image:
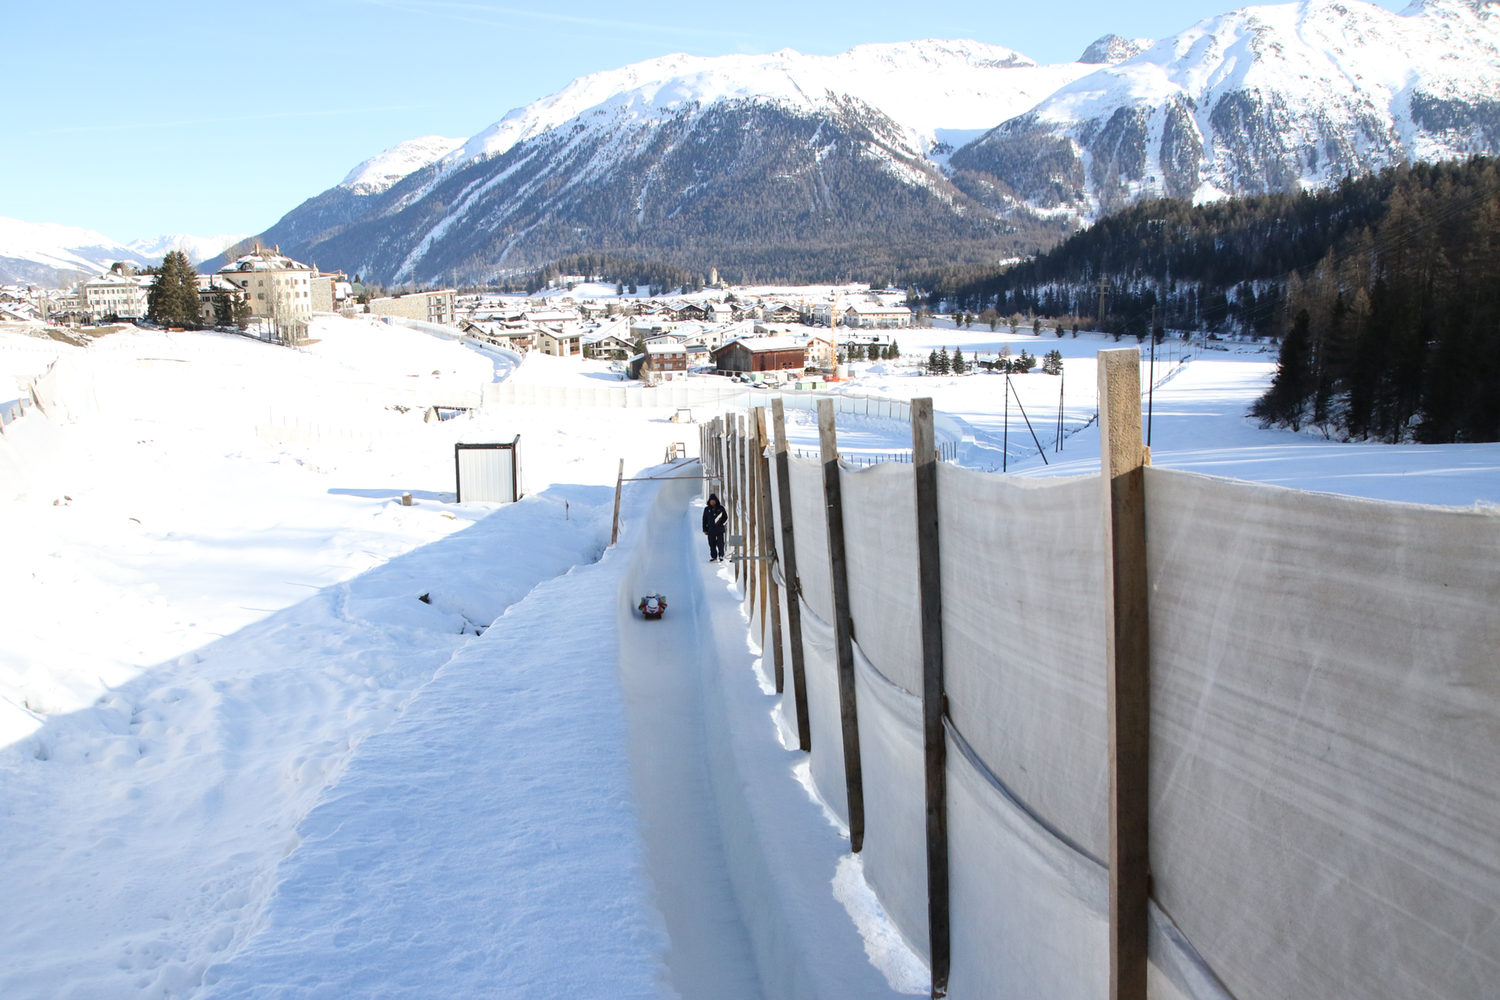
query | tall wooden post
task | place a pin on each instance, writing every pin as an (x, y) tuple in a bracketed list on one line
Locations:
[(752, 515), (934, 697), (762, 529), (789, 574), (741, 495), (614, 532), (1128, 667), (768, 547), (843, 629), (737, 517)]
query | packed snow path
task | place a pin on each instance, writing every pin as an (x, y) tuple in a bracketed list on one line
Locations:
[(660, 664), (580, 803)]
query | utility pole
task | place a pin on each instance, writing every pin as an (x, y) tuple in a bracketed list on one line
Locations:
[(1103, 291)]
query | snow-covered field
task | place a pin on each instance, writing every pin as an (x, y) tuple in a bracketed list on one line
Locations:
[(241, 755)]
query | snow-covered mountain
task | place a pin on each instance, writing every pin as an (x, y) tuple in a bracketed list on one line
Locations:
[(787, 165), (382, 170), (47, 254), (754, 150), (1260, 99), (198, 248)]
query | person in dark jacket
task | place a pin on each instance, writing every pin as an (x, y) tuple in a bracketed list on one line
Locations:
[(715, 522)]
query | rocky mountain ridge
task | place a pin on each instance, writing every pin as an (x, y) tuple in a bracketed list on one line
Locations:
[(893, 156)]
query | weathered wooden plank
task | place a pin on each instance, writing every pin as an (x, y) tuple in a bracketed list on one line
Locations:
[(768, 548), (1128, 668), (789, 574), (614, 531), (838, 570), (934, 696)]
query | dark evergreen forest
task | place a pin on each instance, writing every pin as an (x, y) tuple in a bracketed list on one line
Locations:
[(1384, 293)]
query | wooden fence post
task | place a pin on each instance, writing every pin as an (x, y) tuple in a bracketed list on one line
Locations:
[(762, 530), (768, 547), (838, 571), (934, 697), (1128, 668), (789, 574), (614, 532)]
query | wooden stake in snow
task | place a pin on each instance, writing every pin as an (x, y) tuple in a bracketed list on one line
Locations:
[(934, 698), (843, 628), (1128, 667), (789, 574), (614, 532)]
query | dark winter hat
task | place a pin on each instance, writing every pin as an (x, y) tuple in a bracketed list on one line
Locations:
[(713, 498)]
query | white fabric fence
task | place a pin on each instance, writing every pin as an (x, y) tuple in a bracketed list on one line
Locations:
[(1325, 755)]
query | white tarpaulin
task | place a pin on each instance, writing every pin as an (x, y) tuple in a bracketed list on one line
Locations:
[(1326, 738), (1325, 732)]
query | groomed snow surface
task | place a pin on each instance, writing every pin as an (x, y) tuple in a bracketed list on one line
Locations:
[(266, 732)]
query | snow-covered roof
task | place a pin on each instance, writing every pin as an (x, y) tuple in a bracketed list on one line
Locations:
[(758, 344), (672, 347), (261, 259), (872, 309)]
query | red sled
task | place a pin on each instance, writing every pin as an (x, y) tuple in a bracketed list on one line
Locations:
[(652, 605)]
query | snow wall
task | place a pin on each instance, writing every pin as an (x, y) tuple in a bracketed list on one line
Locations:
[(1325, 756)]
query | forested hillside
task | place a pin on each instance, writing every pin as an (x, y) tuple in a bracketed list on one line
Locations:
[(1385, 292)]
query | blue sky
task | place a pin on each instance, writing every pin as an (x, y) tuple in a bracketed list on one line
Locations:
[(170, 117)]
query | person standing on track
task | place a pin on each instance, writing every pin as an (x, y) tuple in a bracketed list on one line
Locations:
[(715, 523)]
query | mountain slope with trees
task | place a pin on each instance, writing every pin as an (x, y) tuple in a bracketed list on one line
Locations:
[(1384, 291)]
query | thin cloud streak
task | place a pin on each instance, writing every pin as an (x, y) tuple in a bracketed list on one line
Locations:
[(133, 126)]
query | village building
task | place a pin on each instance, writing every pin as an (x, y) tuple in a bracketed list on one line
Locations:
[(761, 354), (562, 343), (332, 293), (518, 338), (210, 288), (436, 306), (872, 315), (821, 352), (665, 362), (118, 293), (609, 346), (277, 288)]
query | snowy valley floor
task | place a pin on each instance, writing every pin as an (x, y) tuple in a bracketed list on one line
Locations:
[(240, 756)]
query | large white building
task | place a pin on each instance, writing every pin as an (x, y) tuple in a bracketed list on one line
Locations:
[(118, 293), (278, 289)]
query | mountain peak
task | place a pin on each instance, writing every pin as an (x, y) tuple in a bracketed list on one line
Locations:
[(382, 170), (1113, 49)]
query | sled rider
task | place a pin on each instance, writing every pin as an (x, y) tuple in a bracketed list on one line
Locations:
[(715, 522)]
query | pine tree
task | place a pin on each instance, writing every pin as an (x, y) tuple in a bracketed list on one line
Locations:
[(932, 363), (1285, 401), (944, 366), (960, 366), (1053, 363), (173, 298), (894, 351)]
